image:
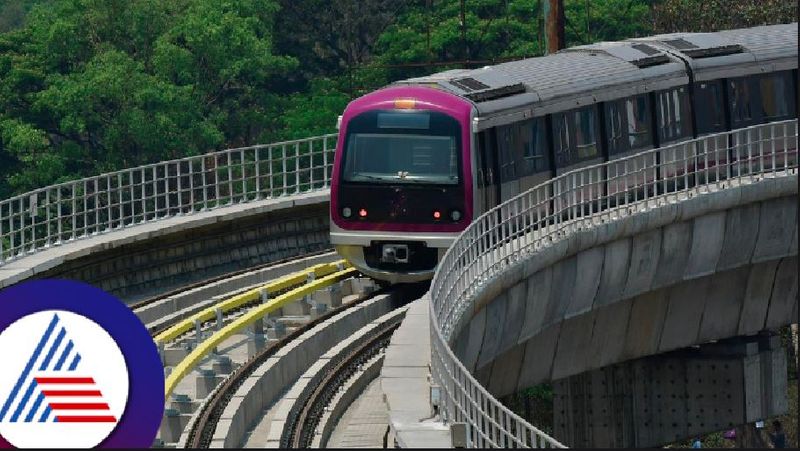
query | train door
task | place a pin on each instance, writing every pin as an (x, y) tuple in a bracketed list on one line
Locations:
[(487, 143)]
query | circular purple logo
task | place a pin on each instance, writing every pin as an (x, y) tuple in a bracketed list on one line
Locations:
[(79, 369)]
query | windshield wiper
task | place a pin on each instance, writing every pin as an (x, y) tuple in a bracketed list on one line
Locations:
[(371, 177)]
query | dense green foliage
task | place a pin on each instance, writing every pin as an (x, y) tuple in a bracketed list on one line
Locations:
[(94, 85)]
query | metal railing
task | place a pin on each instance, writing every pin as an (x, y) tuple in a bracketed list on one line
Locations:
[(69, 211), (581, 199)]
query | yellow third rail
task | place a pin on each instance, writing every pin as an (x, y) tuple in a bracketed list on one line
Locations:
[(324, 275)]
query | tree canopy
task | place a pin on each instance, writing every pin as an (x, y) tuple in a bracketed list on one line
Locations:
[(95, 85)]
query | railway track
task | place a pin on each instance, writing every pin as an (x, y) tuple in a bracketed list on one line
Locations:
[(154, 299), (200, 327), (221, 308), (202, 430), (302, 430)]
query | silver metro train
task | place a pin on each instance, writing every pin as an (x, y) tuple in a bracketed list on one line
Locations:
[(417, 161)]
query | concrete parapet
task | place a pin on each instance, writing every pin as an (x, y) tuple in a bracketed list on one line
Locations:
[(294, 399), (660, 280)]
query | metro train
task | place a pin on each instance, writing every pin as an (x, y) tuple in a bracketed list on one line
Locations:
[(418, 160)]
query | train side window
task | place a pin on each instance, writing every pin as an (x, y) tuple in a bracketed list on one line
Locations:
[(585, 133), (673, 114), (742, 98), (534, 140), (561, 139), (637, 111), (709, 108), (776, 96), (615, 123), (505, 145)]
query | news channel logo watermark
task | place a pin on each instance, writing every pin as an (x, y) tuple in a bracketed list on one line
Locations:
[(79, 369)]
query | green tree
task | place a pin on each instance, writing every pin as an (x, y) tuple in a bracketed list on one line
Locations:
[(13, 12), (222, 49), (330, 37), (492, 31), (712, 15), (588, 21), (94, 85), (315, 112)]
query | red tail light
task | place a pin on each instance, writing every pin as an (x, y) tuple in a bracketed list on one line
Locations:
[(437, 214), (362, 213)]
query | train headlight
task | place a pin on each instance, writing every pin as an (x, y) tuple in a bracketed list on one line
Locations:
[(455, 215), (346, 212)]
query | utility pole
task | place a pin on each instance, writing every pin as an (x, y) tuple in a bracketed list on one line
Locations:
[(554, 25)]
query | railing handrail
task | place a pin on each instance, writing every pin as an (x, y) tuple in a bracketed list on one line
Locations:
[(161, 163), (98, 204), (553, 210)]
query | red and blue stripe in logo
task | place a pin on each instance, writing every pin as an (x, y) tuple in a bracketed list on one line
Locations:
[(55, 390)]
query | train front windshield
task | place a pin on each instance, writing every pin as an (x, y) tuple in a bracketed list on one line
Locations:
[(402, 147)]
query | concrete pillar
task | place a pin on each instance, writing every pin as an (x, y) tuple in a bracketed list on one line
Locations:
[(257, 327), (255, 344), (174, 354), (172, 425), (222, 365), (458, 435), (318, 310), (363, 285), (278, 331), (297, 308), (182, 403), (205, 383), (346, 286), (670, 397), (330, 296)]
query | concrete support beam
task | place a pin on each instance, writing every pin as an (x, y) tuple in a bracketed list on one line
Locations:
[(661, 399)]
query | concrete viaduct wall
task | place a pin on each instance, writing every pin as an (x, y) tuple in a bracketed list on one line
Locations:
[(149, 259), (710, 267)]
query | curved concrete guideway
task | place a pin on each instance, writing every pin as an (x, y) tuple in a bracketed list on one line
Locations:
[(142, 260), (708, 267)]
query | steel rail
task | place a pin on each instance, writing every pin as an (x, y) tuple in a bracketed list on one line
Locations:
[(301, 431)]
